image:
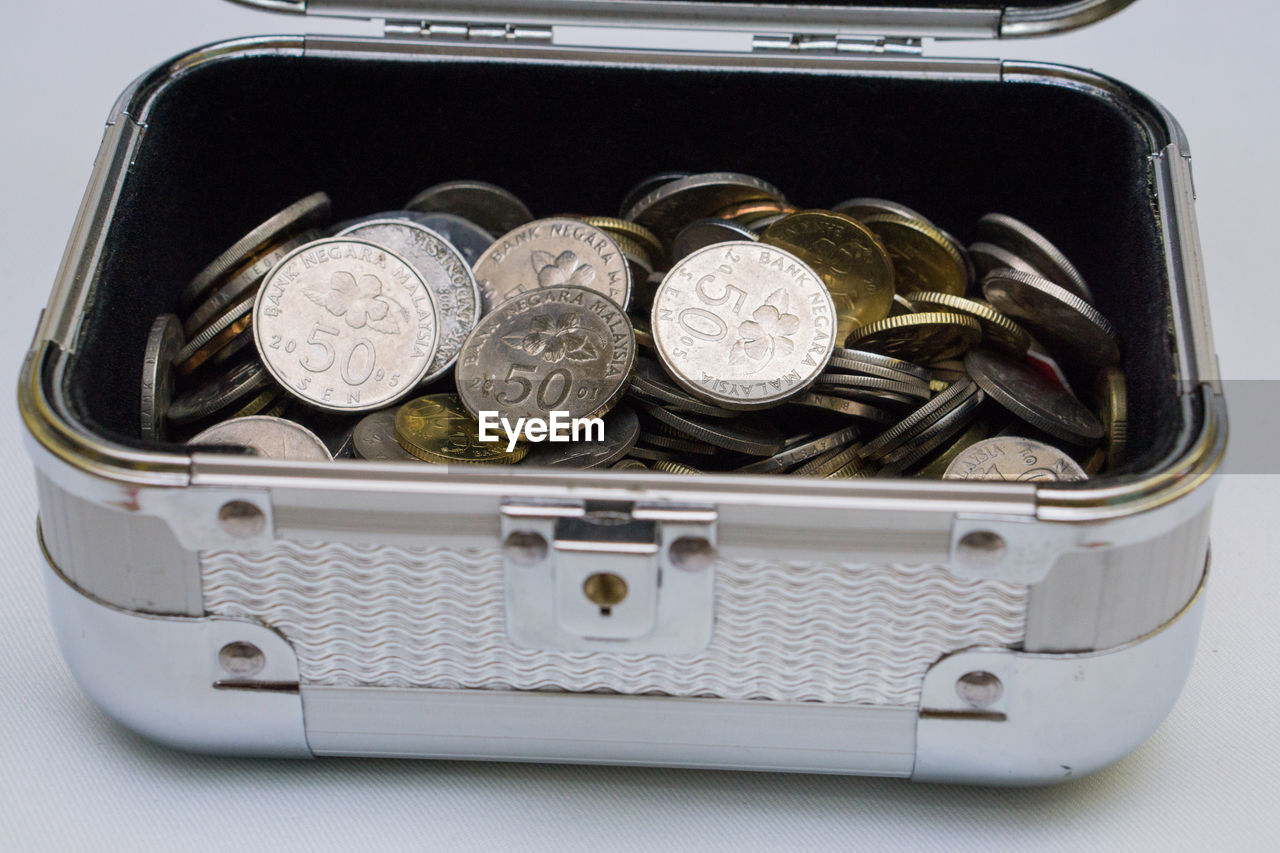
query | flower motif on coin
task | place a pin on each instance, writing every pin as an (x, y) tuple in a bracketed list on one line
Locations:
[(360, 302), (563, 269), (768, 331), (554, 340)]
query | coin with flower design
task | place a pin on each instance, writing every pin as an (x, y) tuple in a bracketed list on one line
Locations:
[(345, 325), (743, 325), (567, 350), (557, 252)]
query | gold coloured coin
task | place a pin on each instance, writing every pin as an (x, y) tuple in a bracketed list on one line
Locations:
[(667, 467), (438, 428), (626, 228), (849, 259), (997, 329), (1112, 398), (924, 337), (923, 258)]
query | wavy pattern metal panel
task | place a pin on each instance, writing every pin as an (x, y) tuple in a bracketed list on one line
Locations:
[(400, 617)]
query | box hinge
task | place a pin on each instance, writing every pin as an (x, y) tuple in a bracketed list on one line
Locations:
[(810, 44), (463, 32), (609, 576)]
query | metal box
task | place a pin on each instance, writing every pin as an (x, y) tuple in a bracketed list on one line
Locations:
[(938, 630)]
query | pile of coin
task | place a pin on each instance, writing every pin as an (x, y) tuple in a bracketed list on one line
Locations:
[(712, 325)]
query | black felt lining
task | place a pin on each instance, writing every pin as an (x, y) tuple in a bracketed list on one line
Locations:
[(230, 143)]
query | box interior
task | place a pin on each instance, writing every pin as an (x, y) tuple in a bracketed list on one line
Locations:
[(230, 142)]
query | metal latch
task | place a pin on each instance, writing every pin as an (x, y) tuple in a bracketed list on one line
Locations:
[(809, 43), (609, 576), (463, 32)]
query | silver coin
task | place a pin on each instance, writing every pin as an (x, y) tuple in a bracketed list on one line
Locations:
[(346, 326), (1033, 398), (247, 279), (702, 233), (844, 406), (828, 463), (988, 257), (268, 437), (929, 436), (1061, 320), (558, 252), (761, 225), (757, 438), (441, 266), (468, 238), (164, 342), (859, 208), (802, 452), (304, 213), (621, 430), (487, 205), (856, 359), (562, 349), (647, 186), (374, 439), (743, 325), (1027, 243), (826, 382), (651, 384), (670, 207), (199, 403), (1014, 460), (901, 432)]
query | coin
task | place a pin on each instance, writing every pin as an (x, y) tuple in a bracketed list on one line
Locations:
[(848, 258), (1014, 460), (898, 434), (925, 336), (647, 186), (164, 342), (978, 430), (701, 233), (670, 207), (346, 326), (997, 330), (487, 205), (833, 382), (861, 208), (1112, 401), (752, 213), (464, 235), (828, 463), (843, 406), (558, 252), (270, 438), (677, 443), (246, 279), (626, 228), (374, 438), (444, 271), (258, 403), (302, 214), (438, 428), (753, 437), (862, 361), (1033, 398), (1028, 244), (219, 393), (676, 468), (629, 465), (743, 325), (563, 349), (216, 335), (621, 429), (930, 435), (651, 384), (790, 456), (1070, 326), (923, 258), (988, 257)]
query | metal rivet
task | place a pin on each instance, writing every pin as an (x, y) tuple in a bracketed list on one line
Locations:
[(981, 548), (525, 547), (242, 660), (241, 519), (979, 689), (691, 553), (604, 589)]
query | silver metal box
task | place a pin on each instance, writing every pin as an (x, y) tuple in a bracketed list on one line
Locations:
[(937, 630)]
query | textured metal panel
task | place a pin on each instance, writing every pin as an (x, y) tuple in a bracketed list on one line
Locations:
[(418, 617)]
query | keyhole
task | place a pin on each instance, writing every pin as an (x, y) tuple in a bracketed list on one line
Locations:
[(605, 589)]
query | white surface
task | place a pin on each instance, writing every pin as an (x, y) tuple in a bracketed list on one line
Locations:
[(70, 779)]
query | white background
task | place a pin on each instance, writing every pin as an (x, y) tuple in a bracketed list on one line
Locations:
[(70, 779)]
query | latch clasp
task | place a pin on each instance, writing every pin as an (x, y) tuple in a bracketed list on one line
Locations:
[(609, 576)]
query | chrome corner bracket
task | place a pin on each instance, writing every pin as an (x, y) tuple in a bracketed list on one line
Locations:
[(1004, 717), (211, 684), (599, 576)]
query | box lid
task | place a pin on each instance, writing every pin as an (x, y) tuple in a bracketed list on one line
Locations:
[(971, 19)]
